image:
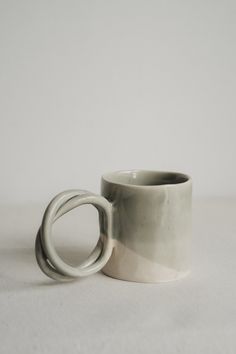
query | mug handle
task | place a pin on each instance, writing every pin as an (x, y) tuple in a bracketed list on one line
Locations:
[(47, 257)]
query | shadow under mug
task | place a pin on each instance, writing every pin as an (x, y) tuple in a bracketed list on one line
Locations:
[(145, 228)]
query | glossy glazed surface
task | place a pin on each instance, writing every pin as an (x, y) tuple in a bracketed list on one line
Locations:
[(47, 256), (151, 225)]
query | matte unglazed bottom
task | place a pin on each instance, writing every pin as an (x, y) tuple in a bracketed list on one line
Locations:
[(125, 264)]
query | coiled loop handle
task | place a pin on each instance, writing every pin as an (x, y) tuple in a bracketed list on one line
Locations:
[(47, 257)]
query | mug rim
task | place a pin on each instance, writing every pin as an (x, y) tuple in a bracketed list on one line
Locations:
[(109, 178)]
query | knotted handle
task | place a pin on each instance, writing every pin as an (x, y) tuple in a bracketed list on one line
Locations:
[(47, 257)]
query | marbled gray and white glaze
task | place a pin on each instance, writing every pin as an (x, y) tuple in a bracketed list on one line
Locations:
[(151, 225)]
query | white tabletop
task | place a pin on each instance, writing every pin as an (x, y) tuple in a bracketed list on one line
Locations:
[(99, 314)]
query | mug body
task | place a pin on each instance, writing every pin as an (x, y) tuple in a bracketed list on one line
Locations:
[(151, 224)]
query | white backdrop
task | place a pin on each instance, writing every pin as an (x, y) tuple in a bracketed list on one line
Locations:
[(92, 86)]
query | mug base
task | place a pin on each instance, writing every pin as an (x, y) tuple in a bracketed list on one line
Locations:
[(150, 280)]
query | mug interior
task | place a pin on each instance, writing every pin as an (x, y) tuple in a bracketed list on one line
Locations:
[(145, 178)]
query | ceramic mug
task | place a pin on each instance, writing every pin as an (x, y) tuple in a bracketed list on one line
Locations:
[(145, 228)]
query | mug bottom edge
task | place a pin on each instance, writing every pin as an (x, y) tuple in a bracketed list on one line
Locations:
[(148, 281)]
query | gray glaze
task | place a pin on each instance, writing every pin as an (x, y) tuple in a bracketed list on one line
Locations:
[(151, 224), (145, 228)]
